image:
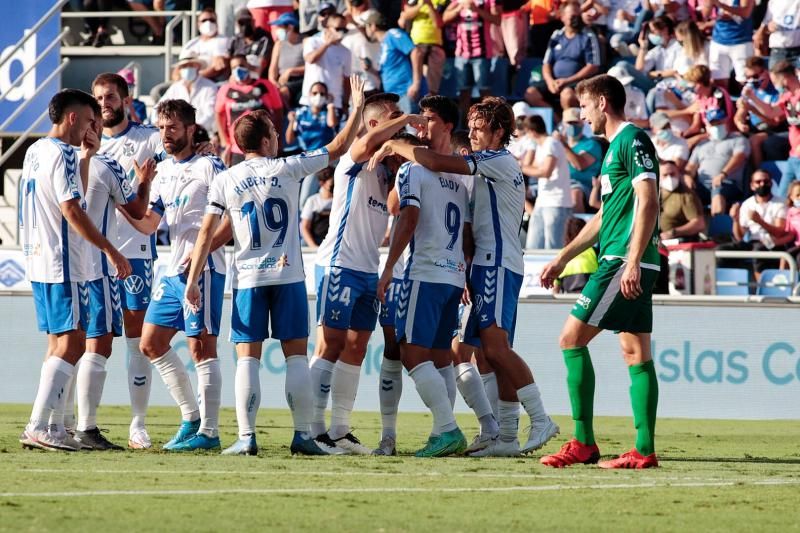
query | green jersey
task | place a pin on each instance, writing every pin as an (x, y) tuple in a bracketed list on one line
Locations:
[(631, 158)]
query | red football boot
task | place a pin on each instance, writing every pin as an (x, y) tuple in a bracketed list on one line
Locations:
[(573, 452), (631, 459)]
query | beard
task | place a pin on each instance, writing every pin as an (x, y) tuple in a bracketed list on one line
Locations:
[(177, 145), (599, 125), (117, 117)]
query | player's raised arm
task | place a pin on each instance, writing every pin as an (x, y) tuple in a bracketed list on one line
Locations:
[(341, 143), (426, 157), (364, 147), (137, 209)]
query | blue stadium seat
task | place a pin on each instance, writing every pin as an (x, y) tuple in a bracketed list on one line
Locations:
[(733, 282), (448, 85), (499, 76), (776, 169), (530, 70), (775, 282), (720, 225)]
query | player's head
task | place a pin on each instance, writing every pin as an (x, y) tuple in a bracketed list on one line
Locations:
[(784, 75), (442, 115), (491, 124), (74, 112), (459, 142), (600, 97), (379, 108), (255, 134), (111, 92), (393, 162), (176, 122)]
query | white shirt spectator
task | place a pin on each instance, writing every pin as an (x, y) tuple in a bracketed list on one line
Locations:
[(769, 211), (207, 49), (332, 68), (786, 14), (360, 47), (202, 95), (683, 62), (555, 190), (635, 103), (663, 58), (315, 204), (519, 146), (673, 150), (629, 6)]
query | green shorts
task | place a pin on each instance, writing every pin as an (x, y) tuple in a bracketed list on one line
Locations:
[(602, 305)]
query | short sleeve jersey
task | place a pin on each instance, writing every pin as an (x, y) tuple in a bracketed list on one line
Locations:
[(436, 253), (180, 194), (262, 195), (54, 252), (499, 192), (631, 158), (108, 188), (359, 217), (395, 62), (136, 143)]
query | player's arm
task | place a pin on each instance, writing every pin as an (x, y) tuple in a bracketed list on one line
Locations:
[(367, 145), (644, 224), (202, 247), (403, 232), (137, 208), (585, 239), (77, 218), (426, 157), (341, 143), (393, 202)]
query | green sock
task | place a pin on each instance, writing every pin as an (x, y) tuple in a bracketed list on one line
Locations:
[(580, 383), (644, 400)]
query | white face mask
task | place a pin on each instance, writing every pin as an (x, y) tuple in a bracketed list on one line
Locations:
[(208, 28), (317, 100), (188, 73), (718, 132), (282, 34), (669, 183)]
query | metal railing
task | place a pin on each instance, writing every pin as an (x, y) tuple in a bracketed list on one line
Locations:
[(726, 254), (57, 7)]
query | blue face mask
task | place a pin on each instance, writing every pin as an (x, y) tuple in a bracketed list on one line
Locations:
[(656, 40), (241, 73), (664, 135), (574, 130), (796, 203)]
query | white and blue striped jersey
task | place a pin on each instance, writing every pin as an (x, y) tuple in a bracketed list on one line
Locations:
[(359, 217), (499, 192), (54, 252), (136, 143), (262, 198), (436, 253), (180, 193), (107, 189)]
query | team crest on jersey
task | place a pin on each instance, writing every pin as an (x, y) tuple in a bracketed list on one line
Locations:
[(283, 261), (128, 149)]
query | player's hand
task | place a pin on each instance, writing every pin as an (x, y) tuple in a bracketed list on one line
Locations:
[(357, 91), (383, 285), (550, 273), (466, 296), (418, 122), (91, 143), (192, 297), (186, 264), (384, 151), (631, 282), (146, 172), (205, 148), (122, 265)]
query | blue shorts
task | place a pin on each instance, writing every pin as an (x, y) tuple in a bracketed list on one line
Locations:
[(474, 72), (105, 310), (61, 307), (495, 293), (167, 309), (461, 327), (346, 299), (136, 287), (427, 313), (285, 307), (389, 309)]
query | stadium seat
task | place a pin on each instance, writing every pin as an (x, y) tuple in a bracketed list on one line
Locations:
[(733, 282), (774, 282), (448, 85), (499, 75), (720, 225), (530, 71), (776, 169)]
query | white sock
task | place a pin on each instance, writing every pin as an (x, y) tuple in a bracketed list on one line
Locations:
[(247, 389), (344, 386), (298, 392), (391, 377), (448, 373), (531, 401), (65, 415), (508, 420), (89, 382), (432, 390), (140, 380), (321, 371), (471, 388), (492, 393), (50, 396), (177, 381), (209, 393)]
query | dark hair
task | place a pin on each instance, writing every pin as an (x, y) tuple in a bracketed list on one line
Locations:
[(573, 227), (460, 139), (496, 112), (323, 175), (408, 138), (663, 23), (535, 123), (520, 123), (606, 86), (377, 102), (208, 9), (251, 128), (63, 100), (109, 78), (381, 23), (756, 62), (783, 67), (180, 109), (444, 107), (322, 83), (200, 135), (564, 5)]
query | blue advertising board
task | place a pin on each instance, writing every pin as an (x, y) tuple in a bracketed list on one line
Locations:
[(19, 18)]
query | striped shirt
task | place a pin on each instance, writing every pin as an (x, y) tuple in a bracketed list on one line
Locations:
[(472, 32)]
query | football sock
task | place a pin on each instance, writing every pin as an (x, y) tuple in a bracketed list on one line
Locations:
[(344, 385), (298, 392), (431, 388), (209, 390), (644, 400), (492, 394), (89, 382), (177, 381), (531, 400), (580, 384), (67, 413), (508, 420), (247, 389), (321, 371), (471, 388), (449, 376), (140, 380), (54, 376), (389, 394)]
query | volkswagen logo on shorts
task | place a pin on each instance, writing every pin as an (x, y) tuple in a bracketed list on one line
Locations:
[(134, 284)]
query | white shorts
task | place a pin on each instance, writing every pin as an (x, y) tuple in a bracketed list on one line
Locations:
[(724, 57)]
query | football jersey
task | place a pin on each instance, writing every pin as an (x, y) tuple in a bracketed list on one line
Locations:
[(499, 203), (436, 253), (54, 251), (107, 189), (359, 217), (137, 143), (262, 196), (631, 158), (180, 193)]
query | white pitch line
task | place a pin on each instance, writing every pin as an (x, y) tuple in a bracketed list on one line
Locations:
[(375, 490)]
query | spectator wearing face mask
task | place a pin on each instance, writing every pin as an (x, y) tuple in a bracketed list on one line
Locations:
[(657, 63), (211, 47), (669, 146), (195, 89), (681, 211), (327, 61), (265, 12), (313, 126), (747, 119), (250, 40), (585, 157), (242, 93), (314, 14), (287, 66), (709, 101)]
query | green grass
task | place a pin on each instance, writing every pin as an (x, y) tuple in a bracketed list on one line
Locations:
[(715, 476)]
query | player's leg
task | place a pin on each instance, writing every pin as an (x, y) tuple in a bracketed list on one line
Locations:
[(443, 361), (488, 377), (391, 374), (329, 344), (470, 385)]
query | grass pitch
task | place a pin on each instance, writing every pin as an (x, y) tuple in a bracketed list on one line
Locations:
[(714, 476)]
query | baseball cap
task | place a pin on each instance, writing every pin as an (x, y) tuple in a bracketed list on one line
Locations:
[(573, 114), (659, 120), (190, 57), (286, 19), (370, 16), (621, 72)]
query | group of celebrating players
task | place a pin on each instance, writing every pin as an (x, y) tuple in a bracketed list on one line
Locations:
[(448, 292)]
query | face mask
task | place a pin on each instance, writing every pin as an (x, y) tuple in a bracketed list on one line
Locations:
[(664, 135), (796, 203), (241, 73), (575, 22), (188, 73), (718, 132), (655, 40), (208, 28), (763, 190), (669, 183), (282, 34), (317, 100), (574, 130)]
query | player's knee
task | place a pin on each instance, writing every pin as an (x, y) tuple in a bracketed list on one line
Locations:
[(151, 348), (567, 339)]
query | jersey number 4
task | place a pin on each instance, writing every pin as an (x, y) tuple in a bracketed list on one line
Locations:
[(276, 220)]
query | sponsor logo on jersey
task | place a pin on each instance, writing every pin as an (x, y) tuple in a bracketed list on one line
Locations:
[(133, 284), (584, 301)]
